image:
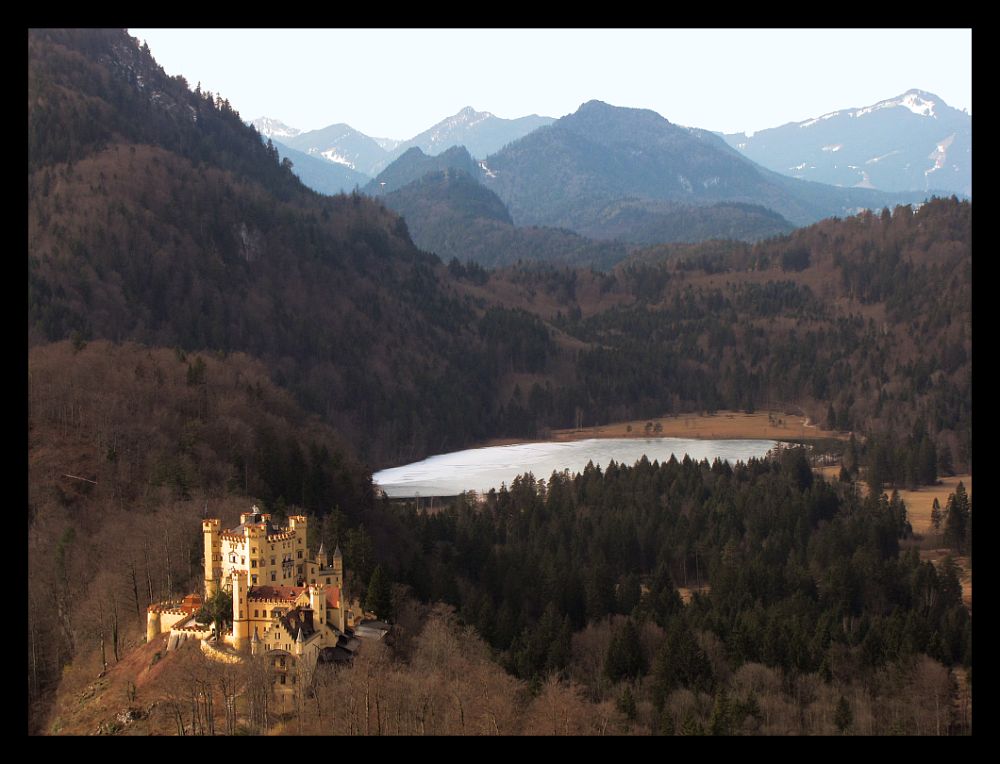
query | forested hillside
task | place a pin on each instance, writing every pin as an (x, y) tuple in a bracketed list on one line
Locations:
[(128, 448), (156, 215), (206, 333)]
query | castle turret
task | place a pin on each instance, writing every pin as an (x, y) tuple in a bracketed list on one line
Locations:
[(241, 623), (152, 624), (213, 555), (299, 524), (338, 568), (317, 601)]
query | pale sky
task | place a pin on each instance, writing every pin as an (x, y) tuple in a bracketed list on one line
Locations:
[(395, 83)]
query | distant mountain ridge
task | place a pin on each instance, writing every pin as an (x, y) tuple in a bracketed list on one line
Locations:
[(569, 173), (451, 213), (480, 132), (340, 144), (274, 128), (912, 142)]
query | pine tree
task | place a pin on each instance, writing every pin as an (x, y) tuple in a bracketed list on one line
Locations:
[(626, 703), (667, 725), (843, 717), (691, 726), (957, 518), (937, 516), (379, 597), (720, 723), (625, 659)]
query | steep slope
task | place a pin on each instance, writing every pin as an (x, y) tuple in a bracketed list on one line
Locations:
[(158, 216), (568, 173), (914, 141)]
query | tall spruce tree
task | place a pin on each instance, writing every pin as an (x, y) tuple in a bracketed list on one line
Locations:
[(379, 597)]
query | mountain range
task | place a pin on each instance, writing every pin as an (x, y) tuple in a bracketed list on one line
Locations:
[(613, 173), (479, 131), (576, 172), (604, 173), (914, 141)]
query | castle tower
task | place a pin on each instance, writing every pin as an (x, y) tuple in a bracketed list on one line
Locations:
[(338, 568), (213, 556), (241, 623), (317, 601), (152, 624), (321, 555), (299, 643), (299, 524)]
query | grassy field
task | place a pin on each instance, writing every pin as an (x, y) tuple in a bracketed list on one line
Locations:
[(919, 502), (723, 424)]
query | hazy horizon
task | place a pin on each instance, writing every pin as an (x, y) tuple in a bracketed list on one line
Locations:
[(396, 83)]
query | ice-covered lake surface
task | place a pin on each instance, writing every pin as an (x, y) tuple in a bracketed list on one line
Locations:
[(480, 469)]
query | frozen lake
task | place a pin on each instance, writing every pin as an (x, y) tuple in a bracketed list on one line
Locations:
[(480, 469)]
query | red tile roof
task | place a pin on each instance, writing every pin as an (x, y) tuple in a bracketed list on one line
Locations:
[(284, 593), (332, 596)]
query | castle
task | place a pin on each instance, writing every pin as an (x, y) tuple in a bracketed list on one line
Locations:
[(286, 606)]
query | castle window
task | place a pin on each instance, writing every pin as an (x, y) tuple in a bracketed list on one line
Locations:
[(272, 575), (282, 678), (300, 554), (254, 577), (253, 563)]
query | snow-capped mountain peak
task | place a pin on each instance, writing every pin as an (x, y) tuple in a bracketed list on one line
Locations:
[(467, 117), (917, 101), (273, 128), (911, 142)]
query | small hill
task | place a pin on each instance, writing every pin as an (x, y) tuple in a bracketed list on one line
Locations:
[(451, 214), (414, 164)]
